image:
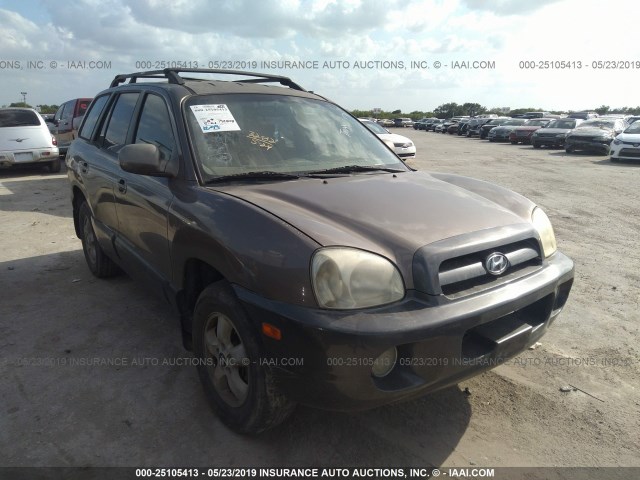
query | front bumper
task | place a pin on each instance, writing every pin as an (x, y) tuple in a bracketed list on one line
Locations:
[(550, 141), (626, 151), (576, 143), (324, 357)]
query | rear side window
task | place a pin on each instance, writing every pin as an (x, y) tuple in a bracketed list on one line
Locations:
[(82, 107), (92, 117), (155, 126), (18, 118), (67, 115), (116, 133)]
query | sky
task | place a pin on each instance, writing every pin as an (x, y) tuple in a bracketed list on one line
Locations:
[(363, 54)]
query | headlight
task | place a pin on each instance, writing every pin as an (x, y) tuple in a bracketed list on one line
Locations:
[(543, 226), (562, 135), (346, 278), (617, 142)]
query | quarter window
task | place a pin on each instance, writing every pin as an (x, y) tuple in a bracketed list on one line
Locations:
[(92, 117)]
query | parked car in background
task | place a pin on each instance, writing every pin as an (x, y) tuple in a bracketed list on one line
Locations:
[(67, 120), (523, 134), (275, 238), (494, 122), (463, 126), (402, 122), (473, 130), (385, 122), (501, 132), (529, 115), (626, 146), (434, 125), (584, 115), (420, 124), (594, 135), (25, 139), (402, 146), (554, 134)]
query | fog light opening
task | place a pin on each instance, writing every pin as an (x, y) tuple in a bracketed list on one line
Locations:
[(383, 365)]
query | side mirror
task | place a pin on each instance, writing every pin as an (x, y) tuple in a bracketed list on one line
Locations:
[(142, 159)]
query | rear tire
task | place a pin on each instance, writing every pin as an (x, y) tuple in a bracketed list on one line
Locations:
[(536, 145), (55, 165), (241, 390), (568, 149), (99, 264)]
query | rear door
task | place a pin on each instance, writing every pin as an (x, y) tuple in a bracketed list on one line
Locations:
[(65, 125), (95, 161), (143, 201)]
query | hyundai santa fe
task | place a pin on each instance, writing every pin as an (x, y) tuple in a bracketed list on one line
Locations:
[(307, 263)]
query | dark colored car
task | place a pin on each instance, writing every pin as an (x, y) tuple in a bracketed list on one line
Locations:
[(463, 126), (494, 122), (554, 134), (262, 214), (433, 125), (473, 130), (453, 128), (420, 124), (402, 122), (594, 135), (501, 132), (67, 120), (583, 115), (523, 134)]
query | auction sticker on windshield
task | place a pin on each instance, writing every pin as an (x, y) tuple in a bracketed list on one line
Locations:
[(215, 118)]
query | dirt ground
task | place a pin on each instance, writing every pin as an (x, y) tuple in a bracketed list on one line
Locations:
[(60, 407)]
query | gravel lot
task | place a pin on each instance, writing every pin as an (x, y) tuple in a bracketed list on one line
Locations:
[(61, 409)]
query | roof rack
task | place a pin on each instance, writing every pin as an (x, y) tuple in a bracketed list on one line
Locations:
[(172, 75)]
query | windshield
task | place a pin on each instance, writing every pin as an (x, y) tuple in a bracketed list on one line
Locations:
[(515, 121), (537, 123), (497, 121), (633, 128), (374, 127), (236, 134), (597, 124), (562, 124), (18, 118)]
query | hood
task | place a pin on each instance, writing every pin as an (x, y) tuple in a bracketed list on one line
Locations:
[(592, 132), (393, 216), (395, 138), (629, 137), (504, 128), (24, 138)]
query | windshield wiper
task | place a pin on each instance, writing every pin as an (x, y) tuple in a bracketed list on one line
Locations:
[(263, 175), (356, 169)]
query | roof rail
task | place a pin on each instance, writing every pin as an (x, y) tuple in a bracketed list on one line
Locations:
[(172, 75)]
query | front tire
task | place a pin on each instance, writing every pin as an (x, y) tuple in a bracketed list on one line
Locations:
[(568, 149), (536, 145), (99, 264), (225, 342)]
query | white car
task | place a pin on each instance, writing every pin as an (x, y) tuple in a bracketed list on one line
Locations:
[(26, 139), (626, 146), (402, 146)]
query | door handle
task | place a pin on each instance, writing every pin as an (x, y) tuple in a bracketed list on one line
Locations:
[(122, 186)]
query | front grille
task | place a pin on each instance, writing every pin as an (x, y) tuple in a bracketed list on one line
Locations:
[(630, 152), (582, 139), (467, 274), (546, 135), (523, 134)]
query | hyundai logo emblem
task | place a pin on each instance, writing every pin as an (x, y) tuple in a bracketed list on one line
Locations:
[(496, 263)]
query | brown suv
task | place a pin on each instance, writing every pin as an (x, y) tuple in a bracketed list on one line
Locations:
[(261, 213), (67, 120)]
